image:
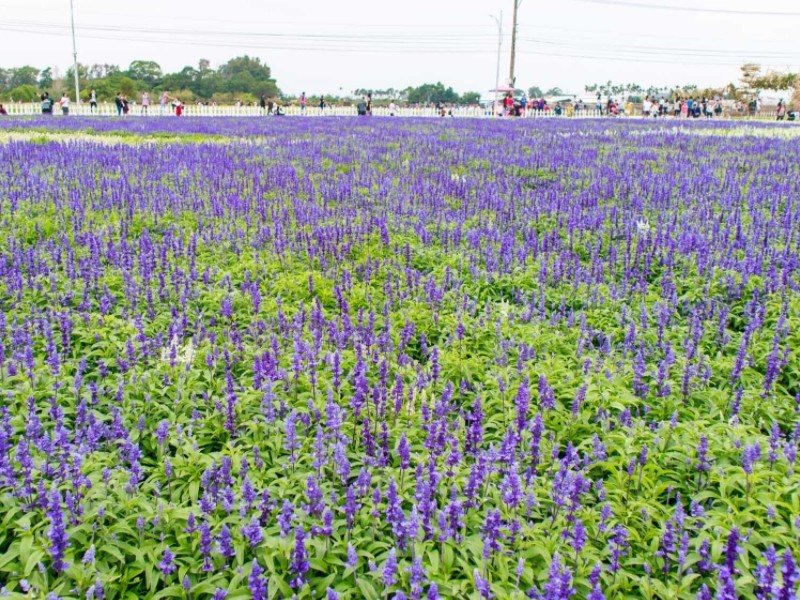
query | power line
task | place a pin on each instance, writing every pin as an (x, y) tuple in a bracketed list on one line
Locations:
[(718, 11), (451, 42), (408, 44), (533, 47)]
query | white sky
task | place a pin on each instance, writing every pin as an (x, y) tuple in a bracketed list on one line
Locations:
[(324, 46)]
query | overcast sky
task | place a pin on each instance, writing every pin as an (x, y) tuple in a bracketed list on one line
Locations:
[(324, 46)]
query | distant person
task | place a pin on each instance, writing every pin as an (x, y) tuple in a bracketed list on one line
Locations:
[(270, 106), (780, 112), (303, 102), (178, 107), (509, 104), (262, 102), (145, 103), (3, 110), (322, 103), (361, 108), (92, 101), (118, 103), (162, 109), (47, 104), (646, 107), (64, 104), (392, 109), (125, 105), (369, 103)]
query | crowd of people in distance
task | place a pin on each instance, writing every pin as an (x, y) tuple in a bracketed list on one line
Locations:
[(651, 107), (674, 106), (121, 102), (682, 107)]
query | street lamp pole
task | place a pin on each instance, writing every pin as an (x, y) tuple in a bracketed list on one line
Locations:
[(499, 48), (511, 76), (75, 55)]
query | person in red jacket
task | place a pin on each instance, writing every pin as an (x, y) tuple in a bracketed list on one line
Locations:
[(509, 103)]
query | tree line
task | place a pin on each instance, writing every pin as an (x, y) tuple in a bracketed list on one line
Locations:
[(427, 93), (242, 78)]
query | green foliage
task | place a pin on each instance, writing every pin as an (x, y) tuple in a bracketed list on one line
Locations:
[(241, 78), (430, 93), (470, 98), (218, 238), (535, 92), (146, 71), (23, 93)]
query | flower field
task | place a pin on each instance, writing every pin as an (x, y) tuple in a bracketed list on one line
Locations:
[(340, 358)]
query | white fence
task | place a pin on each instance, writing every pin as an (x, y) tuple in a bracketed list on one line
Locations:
[(192, 110)]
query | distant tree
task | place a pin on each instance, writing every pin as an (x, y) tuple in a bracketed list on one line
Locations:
[(26, 75), (83, 73), (97, 71), (775, 81), (46, 78), (430, 93), (751, 72), (147, 71), (248, 75), (108, 87), (470, 98), (535, 92), (23, 93), (242, 78), (182, 80), (555, 91)]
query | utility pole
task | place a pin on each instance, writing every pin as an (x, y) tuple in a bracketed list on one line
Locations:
[(75, 56), (511, 78), (499, 49)]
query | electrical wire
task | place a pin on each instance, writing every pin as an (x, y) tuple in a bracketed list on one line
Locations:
[(695, 9), (536, 47), (451, 43)]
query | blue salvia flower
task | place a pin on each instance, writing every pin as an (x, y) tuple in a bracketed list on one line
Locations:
[(252, 533), (482, 585), (559, 582), (703, 464), (751, 454), (352, 557), (389, 571), (167, 564), (257, 583), (57, 532), (766, 575), (299, 562), (726, 589), (417, 578), (732, 551), (225, 543), (704, 593), (791, 576)]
